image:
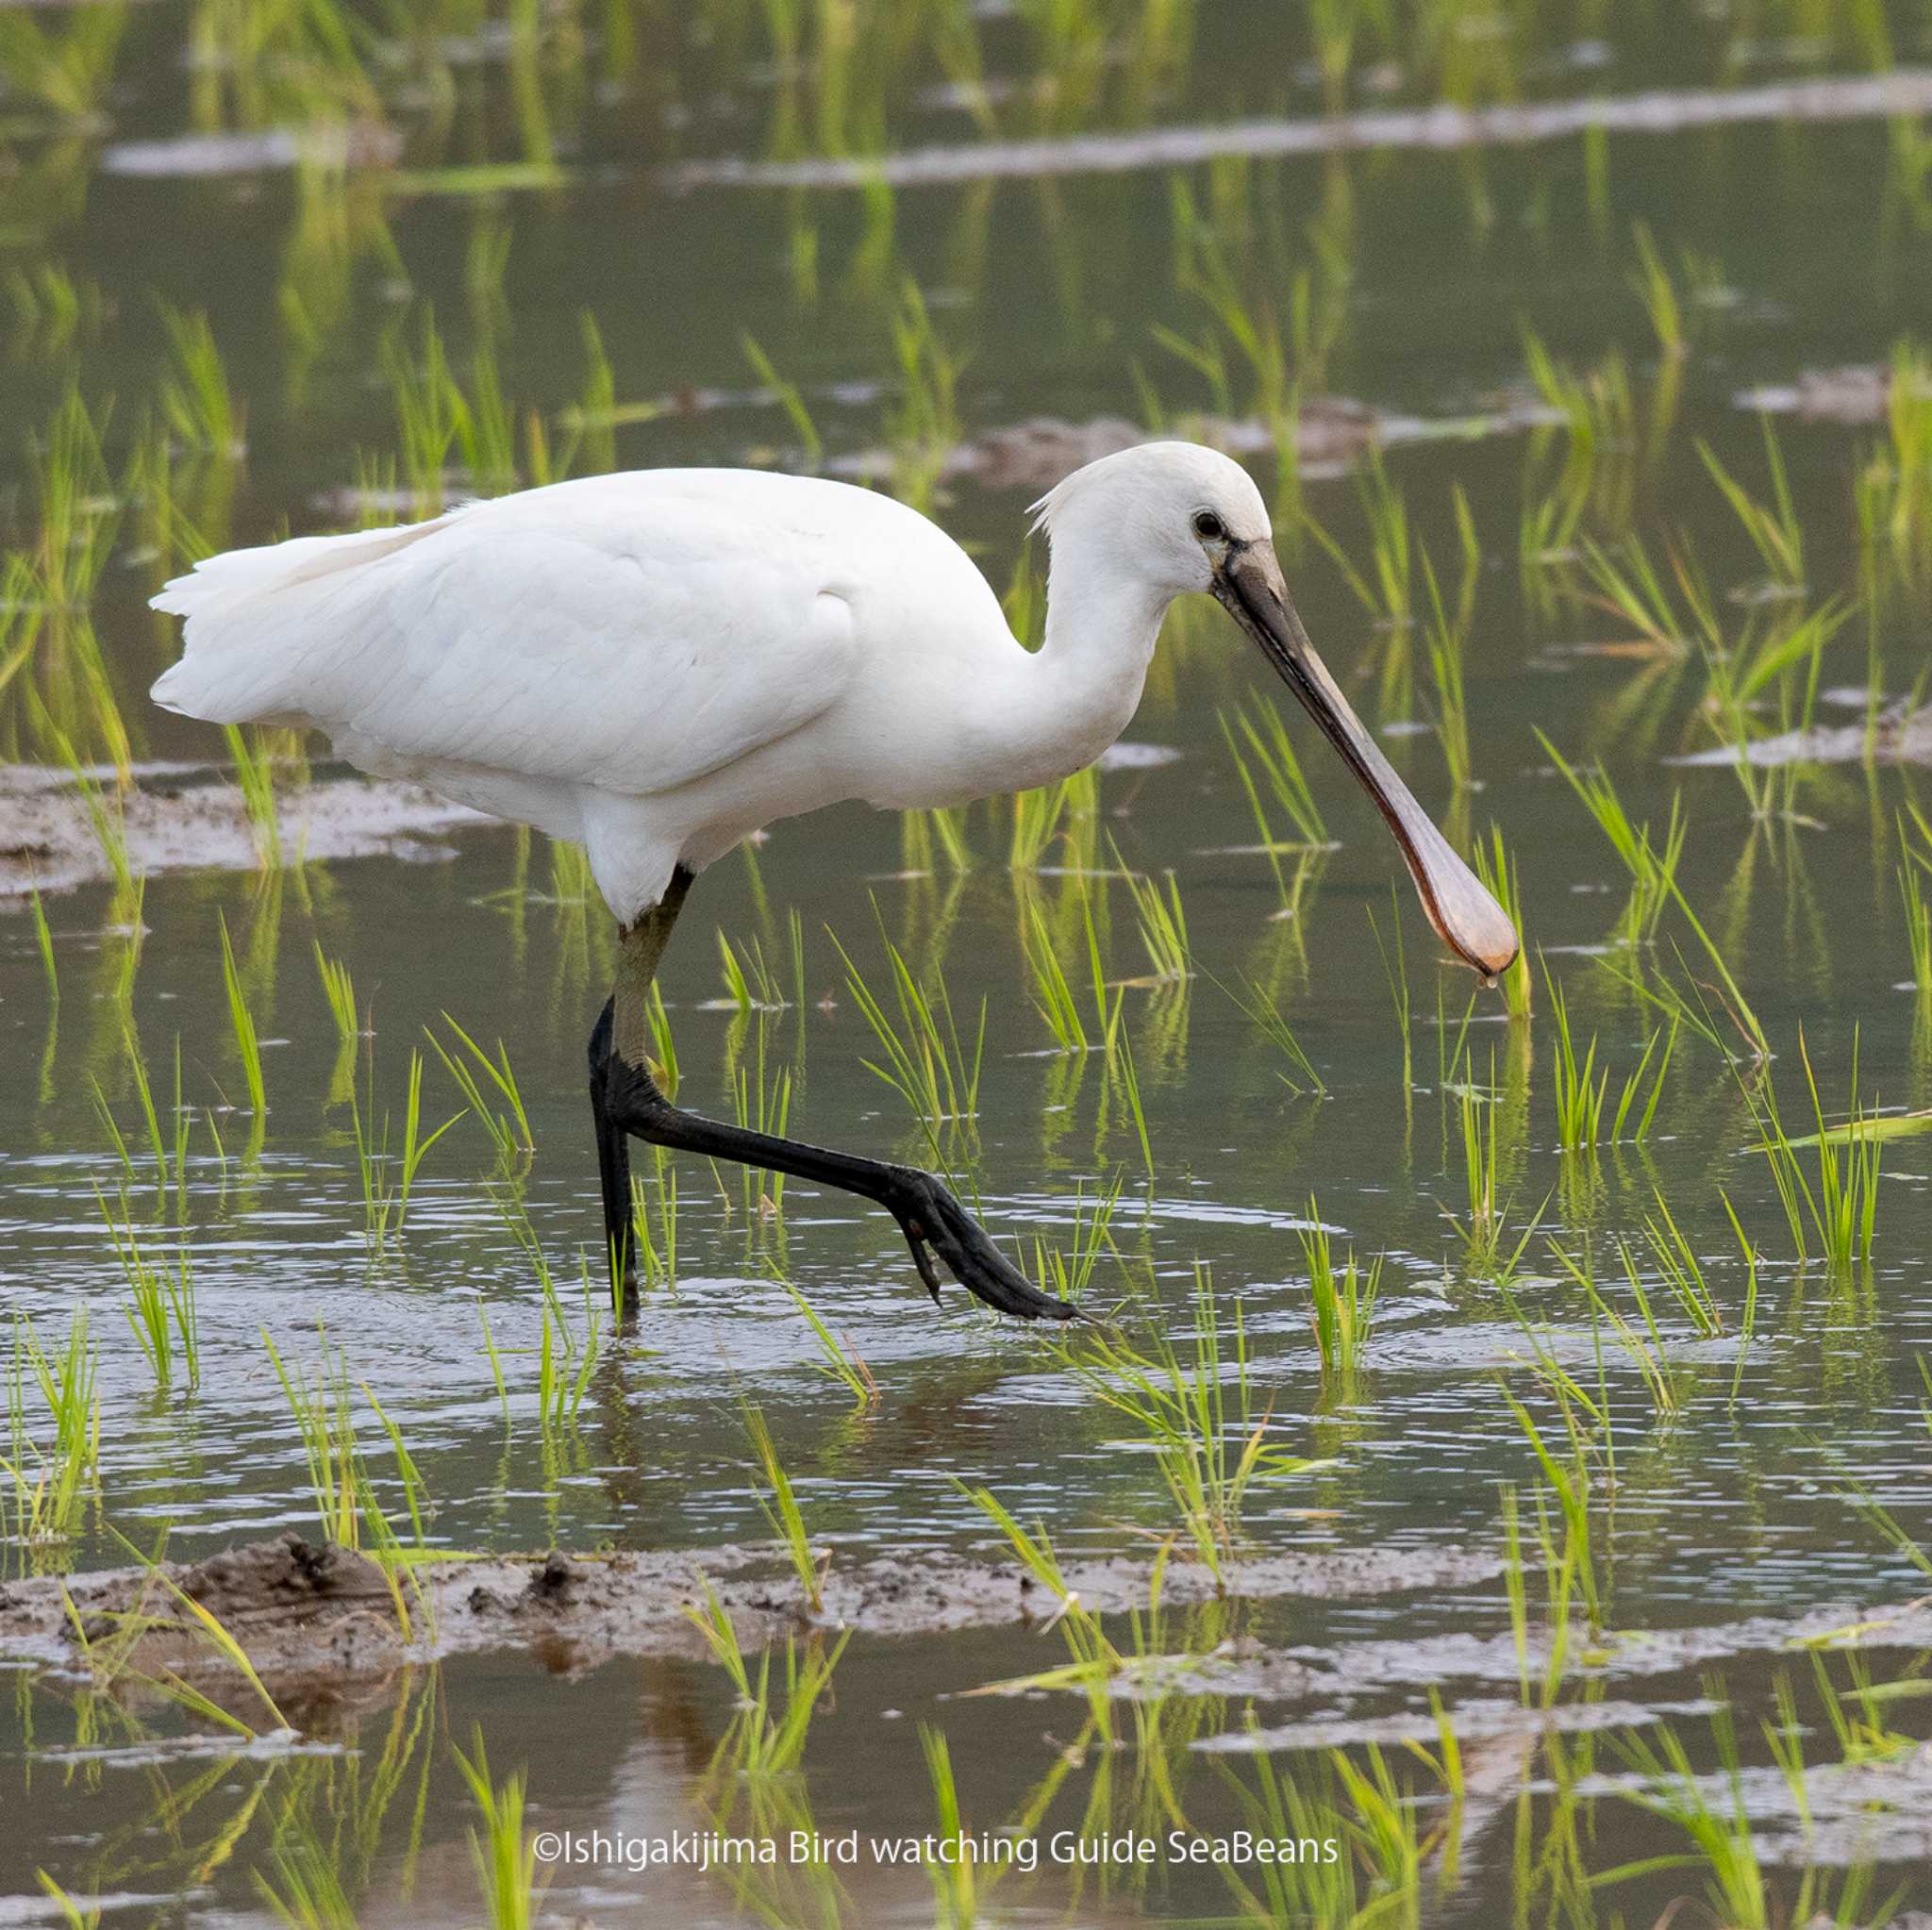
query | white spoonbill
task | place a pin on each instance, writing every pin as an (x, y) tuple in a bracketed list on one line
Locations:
[(657, 664)]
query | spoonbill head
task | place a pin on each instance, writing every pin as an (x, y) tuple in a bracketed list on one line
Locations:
[(657, 664), (1182, 518)]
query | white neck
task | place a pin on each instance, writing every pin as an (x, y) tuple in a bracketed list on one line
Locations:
[(1075, 696)]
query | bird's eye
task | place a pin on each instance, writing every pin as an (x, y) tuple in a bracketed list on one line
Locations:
[(1208, 526)]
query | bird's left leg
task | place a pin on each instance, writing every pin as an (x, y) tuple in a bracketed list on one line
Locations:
[(627, 1100), (626, 1018)]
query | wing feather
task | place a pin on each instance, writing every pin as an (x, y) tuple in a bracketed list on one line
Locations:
[(631, 633)]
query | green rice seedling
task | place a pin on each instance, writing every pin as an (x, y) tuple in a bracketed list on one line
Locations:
[(654, 1222), (1496, 867), (1918, 914), (939, 832), (760, 1745), (1121, 1090), (1629, 584), (1894, 492), (924, 1060), (782, 1512), (1285, 1808), (1841, 1209), (53, 314), (1163, 923), (1258, 725), (1053, 995), (255, 777), (307, 1891), (1682, 1272), (1773, 528), (1395, 969), (494, 1355), (106, 818), (347, 1505), (1201, 1420), (1582, 1089), (922, 427), (1652, 865), (426, 399), (1068, 1274), (241, 1021), (1262, 1012), (1383, 1831), (954, 1882), (67, 72), (1857, 1714), (338, 989), (1485, 1233), (840, 1360), (72, 1916), (386, 1181), (1571, 1572), (143, 1093), (1546, 534), (1599, 423), (739, 980), (1584, 1118), (1388, 593), (336, 1473), (201, 1619), (1736, 1891), (564, 1362), (161, 1309), (1445, 638), (502, 1853), (1341, 1303), (1633, 1088), (473, 1070), (663, 1044), (1644, 1348), (195, 398), (1659, 293), (45, 1483), (1095, 1663), (1049, 813), (44, 941), (763, 1104), (788, 398)]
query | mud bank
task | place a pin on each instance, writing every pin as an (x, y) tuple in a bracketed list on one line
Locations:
[(187, 817), (1442, 129), (307, 1615)]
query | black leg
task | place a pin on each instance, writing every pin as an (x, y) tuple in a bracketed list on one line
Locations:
[(624, 1100), (613, 1170), (932, 1220)]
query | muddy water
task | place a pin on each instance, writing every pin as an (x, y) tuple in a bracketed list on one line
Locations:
[(1724, 1532)]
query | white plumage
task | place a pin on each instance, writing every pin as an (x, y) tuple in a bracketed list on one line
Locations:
[(659, 663)]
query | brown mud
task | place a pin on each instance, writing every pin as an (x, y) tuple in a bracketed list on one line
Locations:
[(177, 816), (315, 1621), (1444, 127), (1896, 735)]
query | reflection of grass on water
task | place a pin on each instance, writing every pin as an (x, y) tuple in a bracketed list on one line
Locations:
[(502, 1854)]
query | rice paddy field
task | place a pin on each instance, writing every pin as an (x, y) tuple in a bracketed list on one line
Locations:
[(1493, 1484)]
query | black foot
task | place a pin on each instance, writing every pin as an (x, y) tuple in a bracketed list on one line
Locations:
[(934, 1222)]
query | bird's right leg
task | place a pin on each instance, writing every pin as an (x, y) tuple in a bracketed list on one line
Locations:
[(627, 1100)]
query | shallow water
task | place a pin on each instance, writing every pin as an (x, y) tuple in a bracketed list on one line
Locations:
[(1809, 250)]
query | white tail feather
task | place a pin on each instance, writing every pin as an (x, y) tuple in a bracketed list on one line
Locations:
[(227, 672)]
